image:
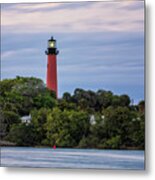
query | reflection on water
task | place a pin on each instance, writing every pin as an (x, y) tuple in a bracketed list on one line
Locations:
[(71, 158)]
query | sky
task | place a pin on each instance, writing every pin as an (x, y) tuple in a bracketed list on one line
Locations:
[(101, 44)]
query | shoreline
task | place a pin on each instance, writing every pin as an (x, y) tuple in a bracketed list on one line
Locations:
[(128, 149)]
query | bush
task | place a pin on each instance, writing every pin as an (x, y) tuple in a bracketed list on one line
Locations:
[(113, 143)]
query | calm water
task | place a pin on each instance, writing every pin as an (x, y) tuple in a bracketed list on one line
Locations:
[(71, 158)]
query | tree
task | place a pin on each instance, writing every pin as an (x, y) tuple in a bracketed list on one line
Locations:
[(67, 97), (113, 143), (104, 99), (63, 104), (22, 94), (66, 121), (125, 100), (141, 106), (38, 121), (22, 135), (116, 101), (118, 123), (45, 100), (137, 131), (7, 118), (66, 128)]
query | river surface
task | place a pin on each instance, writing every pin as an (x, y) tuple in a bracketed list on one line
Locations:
[(71, 158)]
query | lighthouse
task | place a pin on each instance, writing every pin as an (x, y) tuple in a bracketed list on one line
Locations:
[(51, 78)]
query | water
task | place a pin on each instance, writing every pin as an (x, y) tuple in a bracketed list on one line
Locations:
[(71, 158)]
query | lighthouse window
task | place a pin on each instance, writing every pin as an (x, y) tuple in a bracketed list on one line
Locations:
[(51, 44)]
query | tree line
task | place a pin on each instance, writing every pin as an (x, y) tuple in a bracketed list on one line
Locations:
[(84, 119)]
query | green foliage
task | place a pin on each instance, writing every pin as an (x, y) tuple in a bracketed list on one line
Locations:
[(89, 142), (45, 100), (125, 100), (83, 143), (62, 104), (104, 99), (23, 94), (39, 119), (137, 131), (22, 135), (122, 100), (117, 120), (113, 143), (7, 118), (141, 106), (67, 97), (66, 128), (67, 121)]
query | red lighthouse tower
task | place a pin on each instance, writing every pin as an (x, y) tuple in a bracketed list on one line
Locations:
[(51, 79)]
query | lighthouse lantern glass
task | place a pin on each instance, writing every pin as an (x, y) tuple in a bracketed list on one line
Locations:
[(52, 44)]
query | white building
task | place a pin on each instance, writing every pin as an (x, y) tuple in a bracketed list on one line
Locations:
[(92, 120), (26, 119)]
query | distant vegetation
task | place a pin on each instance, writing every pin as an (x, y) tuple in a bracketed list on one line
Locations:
[(85, 119)]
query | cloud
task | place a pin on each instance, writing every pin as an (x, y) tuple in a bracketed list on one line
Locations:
[(16, 53), (101, 44), (35, 6), (73, 17)]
